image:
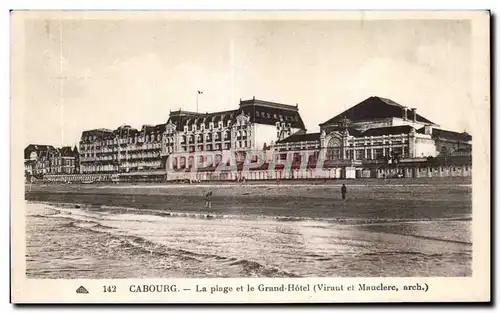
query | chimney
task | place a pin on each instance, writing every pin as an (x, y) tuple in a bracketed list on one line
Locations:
[(414, 111), (405, 113), (428, 129)]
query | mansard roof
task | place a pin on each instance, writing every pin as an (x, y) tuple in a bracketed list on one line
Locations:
[(100, 133), (185, 118), (259, 111), (376, 108), (66, 151), (301, 138), (269, 113), (36, 148)]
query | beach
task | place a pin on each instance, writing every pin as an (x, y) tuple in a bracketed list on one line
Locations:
[(395, 228)]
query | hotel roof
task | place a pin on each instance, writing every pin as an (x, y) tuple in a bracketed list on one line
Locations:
[(259, 111)]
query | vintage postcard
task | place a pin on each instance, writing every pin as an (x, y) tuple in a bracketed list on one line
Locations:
[(250, 157)]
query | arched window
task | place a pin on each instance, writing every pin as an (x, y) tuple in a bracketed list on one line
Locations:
[(334, 149)]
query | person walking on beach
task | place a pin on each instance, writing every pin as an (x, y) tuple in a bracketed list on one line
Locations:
[(343, 190), (208, 200)]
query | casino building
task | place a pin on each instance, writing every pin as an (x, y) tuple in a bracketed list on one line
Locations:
[(378, 130)]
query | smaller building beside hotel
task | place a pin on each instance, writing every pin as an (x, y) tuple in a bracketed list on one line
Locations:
[(40, 160)]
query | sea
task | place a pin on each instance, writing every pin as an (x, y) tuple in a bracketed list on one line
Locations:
[(77, 241)]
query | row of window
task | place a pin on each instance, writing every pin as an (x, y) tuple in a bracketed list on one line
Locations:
[(134, 139), (209, 147), (378, 143), (277, 116), (371, 154)]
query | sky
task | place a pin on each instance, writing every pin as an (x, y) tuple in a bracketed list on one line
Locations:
[(82, 74)]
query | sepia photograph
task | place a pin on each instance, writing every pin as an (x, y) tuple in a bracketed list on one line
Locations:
[(196, 145)]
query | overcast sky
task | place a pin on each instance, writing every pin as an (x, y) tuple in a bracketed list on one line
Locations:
[(135, 72)]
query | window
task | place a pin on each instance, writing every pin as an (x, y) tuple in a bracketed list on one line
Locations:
[(360, 154)]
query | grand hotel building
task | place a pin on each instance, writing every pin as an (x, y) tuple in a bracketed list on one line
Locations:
[(255, 124)]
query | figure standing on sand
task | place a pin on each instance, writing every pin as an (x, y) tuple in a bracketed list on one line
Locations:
[(343, 190), (208, 200)]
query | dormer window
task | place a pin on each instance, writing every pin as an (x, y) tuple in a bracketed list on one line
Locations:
[(185, 128)]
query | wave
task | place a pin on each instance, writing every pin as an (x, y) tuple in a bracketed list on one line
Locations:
[(139, 245)]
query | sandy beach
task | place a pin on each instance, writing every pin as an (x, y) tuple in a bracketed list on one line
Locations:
[(253, 230)]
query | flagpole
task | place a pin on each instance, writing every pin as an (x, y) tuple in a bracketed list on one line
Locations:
[(197, 95)]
